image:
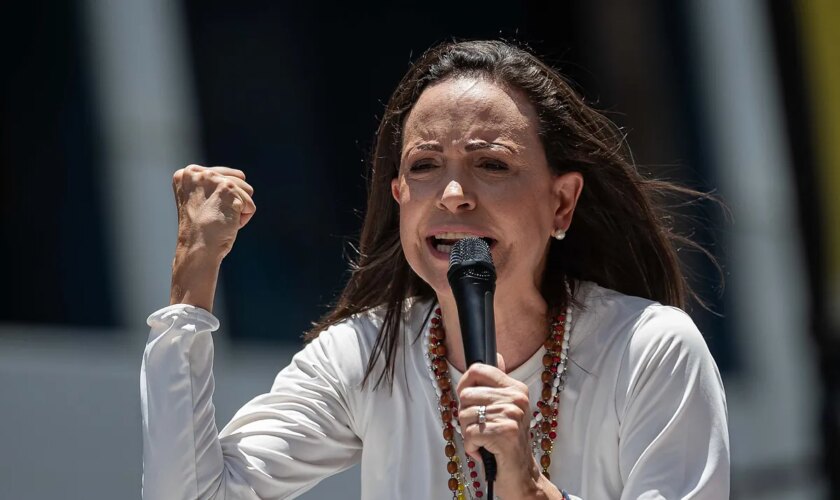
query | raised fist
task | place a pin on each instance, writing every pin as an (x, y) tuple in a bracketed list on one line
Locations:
[(213, 204)]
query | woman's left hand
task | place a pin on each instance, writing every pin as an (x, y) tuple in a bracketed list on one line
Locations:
[(506, 431)]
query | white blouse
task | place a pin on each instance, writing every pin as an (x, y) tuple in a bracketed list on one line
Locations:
[(643, 414)]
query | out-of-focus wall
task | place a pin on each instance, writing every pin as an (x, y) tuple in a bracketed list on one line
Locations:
[(767, 281), (70, 419)]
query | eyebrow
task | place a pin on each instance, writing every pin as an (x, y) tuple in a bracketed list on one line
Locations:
[(474, 145), (429, 146), (477, 145)]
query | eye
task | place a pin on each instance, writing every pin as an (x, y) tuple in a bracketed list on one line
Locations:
[(494, 165), (422, 166)]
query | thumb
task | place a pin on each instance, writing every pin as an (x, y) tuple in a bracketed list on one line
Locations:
[(500, 362)]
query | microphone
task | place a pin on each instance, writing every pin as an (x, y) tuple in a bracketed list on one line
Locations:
[(472, 278)]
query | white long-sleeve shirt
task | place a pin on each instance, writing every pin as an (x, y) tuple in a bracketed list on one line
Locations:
[(643, 415)]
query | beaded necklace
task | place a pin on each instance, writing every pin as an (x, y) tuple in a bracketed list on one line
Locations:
[(544, 422)]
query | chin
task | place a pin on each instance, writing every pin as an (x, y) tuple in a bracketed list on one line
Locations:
[(438, 282), (432, 274)]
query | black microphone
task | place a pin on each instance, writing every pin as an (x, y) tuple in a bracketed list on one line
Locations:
[(472, 278)]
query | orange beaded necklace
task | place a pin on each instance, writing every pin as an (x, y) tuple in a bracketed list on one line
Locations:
[(544, 421)]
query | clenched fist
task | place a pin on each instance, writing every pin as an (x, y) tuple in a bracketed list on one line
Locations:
[(213, 205)]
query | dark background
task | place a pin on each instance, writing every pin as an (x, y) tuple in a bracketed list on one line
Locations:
[(291, 94)]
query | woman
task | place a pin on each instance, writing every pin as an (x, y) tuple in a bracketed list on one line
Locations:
[(604, 389)]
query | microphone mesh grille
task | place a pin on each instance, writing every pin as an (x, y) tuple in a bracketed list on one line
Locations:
[(470, 249)]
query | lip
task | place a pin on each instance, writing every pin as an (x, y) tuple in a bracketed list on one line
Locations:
[(455, 229)]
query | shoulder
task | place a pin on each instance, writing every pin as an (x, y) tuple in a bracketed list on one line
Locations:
[(616, 327), (364, 328), (664, 329), (349, 344), (643, 349)]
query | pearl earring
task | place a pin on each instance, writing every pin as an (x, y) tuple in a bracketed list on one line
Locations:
[(559, 234)]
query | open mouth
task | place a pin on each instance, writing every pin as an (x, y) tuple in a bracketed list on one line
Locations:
[(443, 242)]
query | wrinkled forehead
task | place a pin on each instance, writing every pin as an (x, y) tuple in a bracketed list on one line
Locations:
[(469, 108)]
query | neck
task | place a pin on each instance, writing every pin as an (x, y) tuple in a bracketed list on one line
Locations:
[(521, 327)]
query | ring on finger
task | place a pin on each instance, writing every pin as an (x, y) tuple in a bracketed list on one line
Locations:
[(482, 414)]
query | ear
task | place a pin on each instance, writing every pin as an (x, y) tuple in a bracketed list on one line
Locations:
[(567, 189), (395, 189)]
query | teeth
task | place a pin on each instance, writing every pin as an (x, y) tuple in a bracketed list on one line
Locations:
[(454, 236), (441, 247)]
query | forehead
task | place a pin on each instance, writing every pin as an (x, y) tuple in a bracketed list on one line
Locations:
[(462, 107)]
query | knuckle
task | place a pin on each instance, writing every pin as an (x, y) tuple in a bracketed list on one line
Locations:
[(473, 369), (469, 432), (193, 168), (515, 413), (509, 427), (520, 400)]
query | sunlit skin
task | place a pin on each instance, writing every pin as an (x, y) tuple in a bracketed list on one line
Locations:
[(472, 162)]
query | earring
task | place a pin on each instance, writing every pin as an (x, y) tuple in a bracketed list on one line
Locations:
[(559, 234)]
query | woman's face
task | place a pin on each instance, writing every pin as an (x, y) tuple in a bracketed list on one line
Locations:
[(472, 164)]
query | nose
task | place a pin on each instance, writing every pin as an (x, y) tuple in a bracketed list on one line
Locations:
[(454, 200)]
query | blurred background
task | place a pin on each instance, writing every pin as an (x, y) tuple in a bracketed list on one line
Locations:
[(101, 101)]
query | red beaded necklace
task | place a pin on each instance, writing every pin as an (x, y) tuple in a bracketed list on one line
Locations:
[(543, 423)]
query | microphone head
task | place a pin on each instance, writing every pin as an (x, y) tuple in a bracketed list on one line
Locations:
[(471, 255)]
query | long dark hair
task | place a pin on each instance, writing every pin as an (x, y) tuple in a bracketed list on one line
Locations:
[(622, 237)]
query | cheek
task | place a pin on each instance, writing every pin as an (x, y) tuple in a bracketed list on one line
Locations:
[(541, 222), (405, 225), (410, 238), (414, 200), (530, 226), (527, 212)]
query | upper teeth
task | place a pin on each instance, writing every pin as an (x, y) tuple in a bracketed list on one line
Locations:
[(454, 236)]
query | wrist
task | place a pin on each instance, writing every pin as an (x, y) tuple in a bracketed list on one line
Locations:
[(195, 272), (543, 489), (535, 486), (196, 250)]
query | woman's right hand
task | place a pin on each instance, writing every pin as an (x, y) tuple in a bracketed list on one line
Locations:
[(213, 205)]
